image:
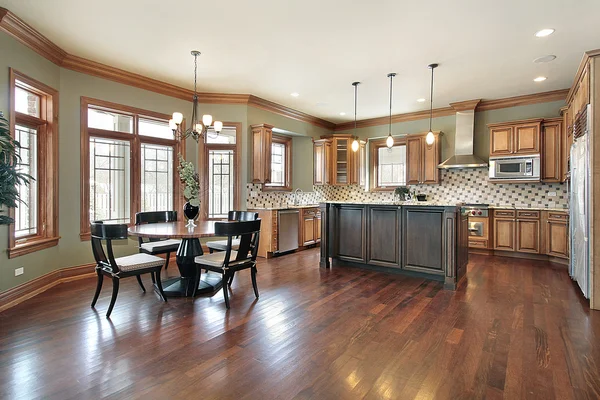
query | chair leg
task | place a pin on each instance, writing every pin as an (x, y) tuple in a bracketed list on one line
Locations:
[(159, 285), (114, 296), (253, 274), (231, 279), (153, 278), (225, 289), (139, 279), (210, 250), (98, 288), (167, 261)]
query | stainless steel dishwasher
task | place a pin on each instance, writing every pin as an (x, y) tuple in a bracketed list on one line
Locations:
[(287, 224)]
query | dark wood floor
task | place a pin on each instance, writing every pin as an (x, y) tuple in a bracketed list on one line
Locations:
[(515, 330)]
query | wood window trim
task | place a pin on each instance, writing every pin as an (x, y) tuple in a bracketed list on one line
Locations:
[(287, 142), (135, 141), (47, 182), (375, 145), (203, 149)]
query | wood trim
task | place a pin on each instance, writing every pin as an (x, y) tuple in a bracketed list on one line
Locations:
[(288, 112), (31, 246), (513, 123), (413, 116), (374, 146), (468, 105), (287, 142), (524, 100), (582, 65), (27, 290)]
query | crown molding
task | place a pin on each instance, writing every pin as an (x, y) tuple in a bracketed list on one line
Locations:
[(412, 116), (544, 97), (267, 105), (467, 105), (586, 56)]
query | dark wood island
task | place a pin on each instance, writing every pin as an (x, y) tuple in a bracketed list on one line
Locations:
[(423, 239)]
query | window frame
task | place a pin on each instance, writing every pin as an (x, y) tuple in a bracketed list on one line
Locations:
[(47, 155), (135, 142), (375, 145), (203, 150), (287, 187)]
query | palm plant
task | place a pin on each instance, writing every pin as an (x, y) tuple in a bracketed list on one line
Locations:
[(10, 177)]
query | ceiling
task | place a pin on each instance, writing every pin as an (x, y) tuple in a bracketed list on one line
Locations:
[(318, 48)]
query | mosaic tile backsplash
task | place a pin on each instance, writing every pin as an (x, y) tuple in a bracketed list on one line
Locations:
[(468, 185)]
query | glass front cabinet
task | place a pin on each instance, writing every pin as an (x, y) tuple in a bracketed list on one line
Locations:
[(335, 162)]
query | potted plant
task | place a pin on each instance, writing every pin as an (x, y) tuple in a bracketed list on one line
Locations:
[(10, 177), (191, 190), (402, 193)]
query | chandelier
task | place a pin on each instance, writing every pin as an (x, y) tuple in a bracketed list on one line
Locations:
[(197, 129)]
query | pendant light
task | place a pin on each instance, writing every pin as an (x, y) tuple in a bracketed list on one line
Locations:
[(430, 138), (355, 144), (389, 142)]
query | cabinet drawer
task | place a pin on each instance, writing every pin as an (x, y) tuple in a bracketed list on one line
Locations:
[(558, 216), (528, 214), (504, 213), (310, 211), (480, 244)]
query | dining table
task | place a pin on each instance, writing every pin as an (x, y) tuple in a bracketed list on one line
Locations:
[(189, 249)]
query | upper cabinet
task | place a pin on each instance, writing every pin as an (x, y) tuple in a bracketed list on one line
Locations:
[(322, 162), (422, 159), (335, 162), (342, 161), (552, 143), (262, 139), (515, 138)]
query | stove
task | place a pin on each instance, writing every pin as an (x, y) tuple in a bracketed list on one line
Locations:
[(479, 224), (476, 210)]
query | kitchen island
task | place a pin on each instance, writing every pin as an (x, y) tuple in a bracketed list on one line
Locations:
[(416, 238)]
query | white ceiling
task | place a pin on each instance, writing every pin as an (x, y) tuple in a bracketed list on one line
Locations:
[(318, 47)]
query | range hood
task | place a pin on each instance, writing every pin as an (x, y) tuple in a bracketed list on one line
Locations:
[(463, 142)]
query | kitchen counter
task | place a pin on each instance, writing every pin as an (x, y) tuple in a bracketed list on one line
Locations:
[(507, 207), (284, 207), (425, 239), (401, 203)]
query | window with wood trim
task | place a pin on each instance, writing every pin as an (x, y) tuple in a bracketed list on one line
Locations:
[(128, 159), (34, 124), (281, 164), (388, 165), (220, 158)]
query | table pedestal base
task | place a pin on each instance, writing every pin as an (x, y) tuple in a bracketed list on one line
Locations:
[(184, 287)]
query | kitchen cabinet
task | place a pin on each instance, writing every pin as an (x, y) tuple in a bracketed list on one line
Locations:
[(515, 138), (422, 159), (267, 245), (350, 243), (528, 236), (557, 233), (342, 161), (385, 227), (424, 240), (504, 234), (566, 141), (552, 148), (517, 230), (322, 162), (262, 138), (310, 226)]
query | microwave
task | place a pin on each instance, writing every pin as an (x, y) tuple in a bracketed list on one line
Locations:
[(525, 168)]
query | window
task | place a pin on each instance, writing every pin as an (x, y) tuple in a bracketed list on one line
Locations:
[(281, 164), (220, 156), (129, 157), (388, 166), (34, 124)]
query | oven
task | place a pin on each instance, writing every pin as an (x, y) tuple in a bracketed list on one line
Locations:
[(479, 224), (515, 168)]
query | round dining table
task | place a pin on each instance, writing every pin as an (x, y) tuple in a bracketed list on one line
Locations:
[(189, 248)]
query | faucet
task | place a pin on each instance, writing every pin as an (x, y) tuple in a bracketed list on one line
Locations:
[(296, 196)]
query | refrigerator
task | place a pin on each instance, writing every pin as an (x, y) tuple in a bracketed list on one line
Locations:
[(579, 202)]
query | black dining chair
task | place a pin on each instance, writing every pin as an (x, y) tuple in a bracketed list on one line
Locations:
[(231, 261), (221, 245), (154, 246), (121, 267)]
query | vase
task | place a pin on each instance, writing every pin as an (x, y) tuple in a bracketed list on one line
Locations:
[(191, 213)]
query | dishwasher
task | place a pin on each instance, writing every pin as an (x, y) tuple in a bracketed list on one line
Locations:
[(287, 224)]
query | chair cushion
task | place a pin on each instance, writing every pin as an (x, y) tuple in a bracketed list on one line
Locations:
[(215, 259), (221, 245), (161, 245), (138, 261)]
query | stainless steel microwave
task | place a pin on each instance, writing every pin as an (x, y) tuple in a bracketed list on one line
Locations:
[(525, 168)]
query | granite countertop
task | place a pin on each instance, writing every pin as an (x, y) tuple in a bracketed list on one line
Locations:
[(285, 207), (524, 207), (401, 203)]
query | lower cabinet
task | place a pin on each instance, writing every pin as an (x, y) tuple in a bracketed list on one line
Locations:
[(310, 226), (528, 236), (385, 230), (557, 234), (504, 234), (423, 240), (350, 226)]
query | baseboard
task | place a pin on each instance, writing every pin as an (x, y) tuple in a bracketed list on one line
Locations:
[(13, 296), (527, 256)]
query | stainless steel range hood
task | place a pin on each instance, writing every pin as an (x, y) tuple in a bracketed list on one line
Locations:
[(463, 143)]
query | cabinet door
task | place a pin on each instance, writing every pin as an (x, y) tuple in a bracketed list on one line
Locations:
[(262, 138), (527, 139), (341, 161), (414, 159), (528, 236), (318, 227), (423, 249), (504, 234), (557, 237), (501, 141), (350, 242), (431, 159), (318, 164), (551, 152), (308, 230), (384, 236)]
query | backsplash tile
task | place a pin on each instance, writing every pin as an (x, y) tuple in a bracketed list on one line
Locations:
[(468, 185)]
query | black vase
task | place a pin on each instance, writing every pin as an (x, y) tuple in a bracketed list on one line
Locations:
[(190, 211)]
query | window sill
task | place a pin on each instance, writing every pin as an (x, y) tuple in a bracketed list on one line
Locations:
[(266, 188), (31, 246), (383, 189)]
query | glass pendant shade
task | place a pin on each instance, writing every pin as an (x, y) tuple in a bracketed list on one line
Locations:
[(389, 142), (430, 138), (199, 128), (177, 117), (207, 119), (355, 145), (218, 126)]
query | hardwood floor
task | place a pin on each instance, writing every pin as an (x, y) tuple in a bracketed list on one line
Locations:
[(515, 329)]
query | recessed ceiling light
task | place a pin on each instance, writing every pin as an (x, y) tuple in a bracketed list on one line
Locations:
[(540, 79), (342, 113), (421, 100), (295, 94), (544, 32), (545, 59)]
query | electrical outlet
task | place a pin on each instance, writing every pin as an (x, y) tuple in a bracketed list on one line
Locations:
[(19, 271), (551, 194)]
